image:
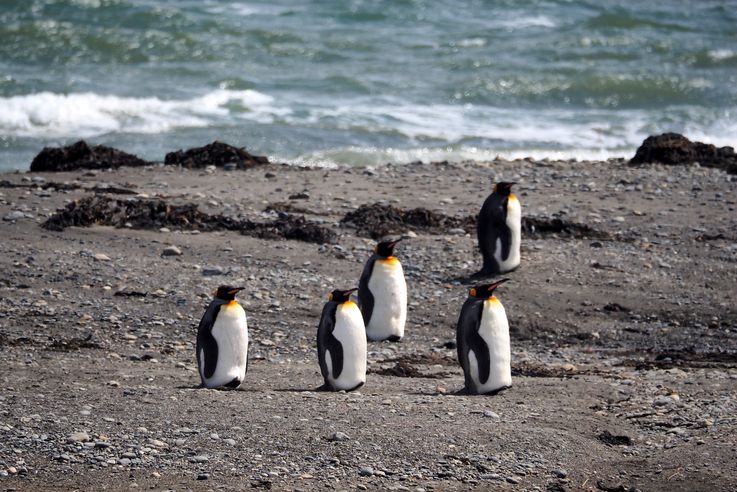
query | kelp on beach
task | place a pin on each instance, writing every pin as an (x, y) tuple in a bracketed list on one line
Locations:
[(154, 214)]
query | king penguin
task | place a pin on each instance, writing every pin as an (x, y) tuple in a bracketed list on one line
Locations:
[(341, 343), (382, 294), (222, 341), (499, 230), (482, 339)]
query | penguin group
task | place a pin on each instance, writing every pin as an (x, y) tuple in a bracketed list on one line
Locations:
[(380, 313)]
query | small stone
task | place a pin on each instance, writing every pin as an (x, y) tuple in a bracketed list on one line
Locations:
[(113, 383), (491, 476), (14, 215), (81, 436), (339, 437), (102, 257), (171, 251), (559, 472), (124, 461), (212, 271), (489, 413), (203, 476), (596, 244), (229, 441), (513, 480), (12, 470), (157, 443), (200, 459), (366, 471)]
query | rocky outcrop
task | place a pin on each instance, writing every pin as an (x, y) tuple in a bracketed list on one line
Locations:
[(215, 154), (81, 155), (674, 149)]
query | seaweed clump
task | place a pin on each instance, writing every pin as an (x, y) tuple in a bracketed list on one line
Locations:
[(155, 214)]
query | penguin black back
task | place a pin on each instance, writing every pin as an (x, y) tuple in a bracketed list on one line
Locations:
[(494, 231)]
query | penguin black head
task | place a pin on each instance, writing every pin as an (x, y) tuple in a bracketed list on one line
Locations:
[(504, 188), (226, 292), (385, 249), (341, 296), (484, 291)]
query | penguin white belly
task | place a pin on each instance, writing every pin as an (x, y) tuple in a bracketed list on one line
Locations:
[(389, 289), (349, 330), (514, 223), (230, 331), (494, 330)]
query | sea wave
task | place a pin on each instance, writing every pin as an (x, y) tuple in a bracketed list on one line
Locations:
[(48, 114)]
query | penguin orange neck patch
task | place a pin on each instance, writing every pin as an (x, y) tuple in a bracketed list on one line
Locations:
[(390, 260), (232, 303), (513, 197)]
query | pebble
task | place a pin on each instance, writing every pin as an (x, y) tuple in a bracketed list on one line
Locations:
[(200, 459), (490, 476), (101, 257), (366, 471), (171, 251), (229, 441), (211, 271), (14, 215), (512, 480), (559, 472), (81, 436), (338, 437), (493, 415), (203, 476)]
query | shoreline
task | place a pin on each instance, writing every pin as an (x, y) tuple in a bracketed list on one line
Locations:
[(620, 347)]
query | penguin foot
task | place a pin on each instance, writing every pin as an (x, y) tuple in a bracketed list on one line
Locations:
[(393, 338), (234, 383)]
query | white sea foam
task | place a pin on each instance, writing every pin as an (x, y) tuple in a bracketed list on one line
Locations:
[(524, 22), (53, 115)]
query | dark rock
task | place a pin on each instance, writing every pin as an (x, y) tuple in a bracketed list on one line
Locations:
[(215, 154), (611, 440), (81, 156), (674, 149), (155, 214)]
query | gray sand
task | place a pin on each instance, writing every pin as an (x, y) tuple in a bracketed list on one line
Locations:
[(624, 351)]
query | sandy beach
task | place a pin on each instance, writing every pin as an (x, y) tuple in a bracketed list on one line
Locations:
[(624, 335)]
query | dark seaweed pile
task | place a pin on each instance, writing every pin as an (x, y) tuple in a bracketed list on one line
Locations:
[(154, 214)]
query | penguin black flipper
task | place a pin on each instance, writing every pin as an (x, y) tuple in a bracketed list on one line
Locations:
[(365, 297), (326, 341), (206, 342), (468, 338)]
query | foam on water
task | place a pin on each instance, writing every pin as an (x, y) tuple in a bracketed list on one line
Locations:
[(47, 114)]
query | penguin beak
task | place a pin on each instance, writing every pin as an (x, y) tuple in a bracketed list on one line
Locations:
[(235, 290), (350, 291), (498, 283)]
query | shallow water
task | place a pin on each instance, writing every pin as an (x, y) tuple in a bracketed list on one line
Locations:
[(321, 82)]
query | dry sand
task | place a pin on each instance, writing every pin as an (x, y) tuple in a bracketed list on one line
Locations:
[(624, 350)]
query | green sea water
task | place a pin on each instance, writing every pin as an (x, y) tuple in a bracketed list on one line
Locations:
[(365, 82)]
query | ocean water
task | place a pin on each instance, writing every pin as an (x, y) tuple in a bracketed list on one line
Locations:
[(321, 82)]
